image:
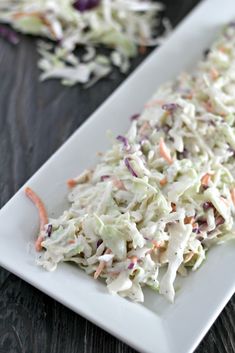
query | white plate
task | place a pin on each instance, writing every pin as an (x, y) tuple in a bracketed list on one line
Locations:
[(156, 326)]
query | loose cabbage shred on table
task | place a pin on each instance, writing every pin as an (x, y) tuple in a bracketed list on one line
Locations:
[(164, 193), (123, 26)]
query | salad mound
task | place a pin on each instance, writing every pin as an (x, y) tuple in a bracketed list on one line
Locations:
[(163, 194)]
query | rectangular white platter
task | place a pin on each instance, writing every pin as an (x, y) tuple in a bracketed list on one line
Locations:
[(155, 326)]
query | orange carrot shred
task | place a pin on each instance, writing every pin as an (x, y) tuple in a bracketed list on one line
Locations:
[(189, 220), (39, 15), (118, 183), (155, 102), (142, 49), (195, 225), (223, 49), (79, 179), (144, 128), (143, 45), (20, 14), (225, 201), (173, 206), (71, 183), (163, 181), (209, 107), (233, 195), (38, 243), (189, 96), (164, 152), (101, 266), (156, 244), (134, 259), (214, 73), (206, 179), (188, 257), (42, 215)]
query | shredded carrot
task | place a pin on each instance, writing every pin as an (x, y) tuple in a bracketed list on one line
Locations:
[(188, 96), (38, 15), (38, 243), (206, 179), (195, 225), (173, 206), (81, 178), (233, 195), (20, 14), (49, 26), (101, 266), (188, 257), (142, 49), (157, 244), (225, 201), (214, 73), (71, 183), (118, 183), (71, 241), (144, 128), (134, 259), (42, 215), (164, 152), (209, 107), (163, 181), (143, 45), (223, 49), (112, 273), (189, 220), (155, 102)]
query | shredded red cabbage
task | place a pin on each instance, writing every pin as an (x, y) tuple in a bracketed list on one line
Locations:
[(99, 242), (134, 117), (84, 5), (124, 140), (182, 155), (170, 107), (202, 223), (207, 205), (129, 167), (9, 35), (104, 177), (219, 220), (131, 266), (196, 230), (200, 238), (164, 128), (205, 187), (49, 230)]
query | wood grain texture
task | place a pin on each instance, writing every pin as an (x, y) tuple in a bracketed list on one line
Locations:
[(35, 119)]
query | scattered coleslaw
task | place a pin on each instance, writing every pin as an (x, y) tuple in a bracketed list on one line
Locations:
[(125, 27), (164, 193)]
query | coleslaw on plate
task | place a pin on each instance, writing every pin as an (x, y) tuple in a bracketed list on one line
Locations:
[(163, 194)]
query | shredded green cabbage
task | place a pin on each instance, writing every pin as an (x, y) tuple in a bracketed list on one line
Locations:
[(172, 200), (119, 25)]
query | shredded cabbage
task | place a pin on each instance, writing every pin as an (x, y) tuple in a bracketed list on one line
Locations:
[(172, 201), (120, 25)]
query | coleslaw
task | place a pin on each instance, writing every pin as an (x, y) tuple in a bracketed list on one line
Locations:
[(163, 194), (87, 38)]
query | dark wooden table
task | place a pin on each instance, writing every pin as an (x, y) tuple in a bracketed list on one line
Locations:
[(35, 119)]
